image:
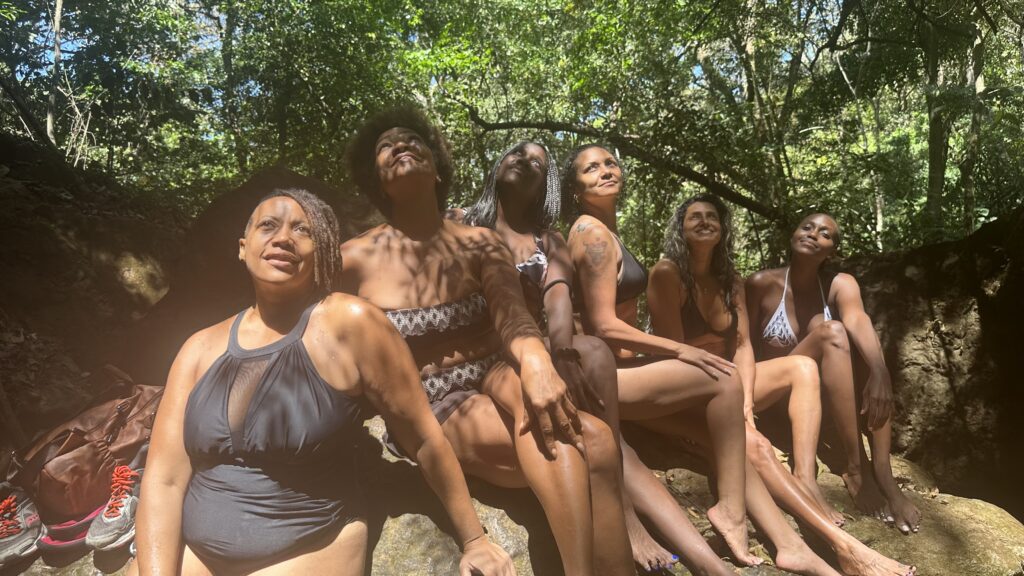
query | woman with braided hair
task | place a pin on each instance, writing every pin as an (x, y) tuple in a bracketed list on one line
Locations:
[(453, 292), (252, 465)]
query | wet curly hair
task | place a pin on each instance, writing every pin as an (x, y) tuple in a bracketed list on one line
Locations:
[(722, 266), (545, 210), (326, 235), (362, 156)]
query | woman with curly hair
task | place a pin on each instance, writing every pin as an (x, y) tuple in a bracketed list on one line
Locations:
[(453, 292), (696, 297)]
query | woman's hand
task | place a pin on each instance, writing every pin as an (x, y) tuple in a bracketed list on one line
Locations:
[(715, 366), (581, 393), (878, 402), (547, 404), (485, 558)]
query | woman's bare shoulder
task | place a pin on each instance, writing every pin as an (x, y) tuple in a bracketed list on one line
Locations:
[(765, 278)]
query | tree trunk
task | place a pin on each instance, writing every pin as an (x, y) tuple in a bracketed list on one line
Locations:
[(51, 106), (231, 114), (938, 139), (31, 122), (972, 144)]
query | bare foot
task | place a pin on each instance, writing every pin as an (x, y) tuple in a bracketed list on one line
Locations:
[(800, 559), (856, 559), (905, 515), (865, 493), (815, 491), (734, 532), (647, 553)]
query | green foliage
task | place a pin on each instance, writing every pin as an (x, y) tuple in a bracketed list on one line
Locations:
[(794, 106)]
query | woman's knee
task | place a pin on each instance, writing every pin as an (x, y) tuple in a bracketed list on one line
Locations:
[(759, 448), (804, 372), (834, 334), (602, 450), (728, 387)]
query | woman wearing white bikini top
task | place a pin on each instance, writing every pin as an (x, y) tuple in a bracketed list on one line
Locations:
[(800, 309)]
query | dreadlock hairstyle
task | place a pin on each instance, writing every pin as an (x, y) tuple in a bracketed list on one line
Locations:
[(326, 236), (570, 204), (722, 265), (543, 213), (362, 153)]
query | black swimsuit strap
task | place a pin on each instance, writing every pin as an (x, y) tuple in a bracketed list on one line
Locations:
[(293, 335)]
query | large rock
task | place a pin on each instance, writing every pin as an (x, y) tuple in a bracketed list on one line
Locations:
[(410, 533), (950, 318), (959, 536)]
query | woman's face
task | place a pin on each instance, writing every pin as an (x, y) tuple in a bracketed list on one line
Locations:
[(597, 174), (278, 246), (701, 225), (815, 236), (403, 154), (524, 171)]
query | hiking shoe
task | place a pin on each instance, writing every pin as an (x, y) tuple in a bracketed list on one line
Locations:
[(116, 526), (19, 527)]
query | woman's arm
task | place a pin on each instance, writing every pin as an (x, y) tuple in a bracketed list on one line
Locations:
[(665, 298), (168, 469), (593, 253), (391, 383), (744, 355), (548, 404), (878, 397), (754, 287), (558, 308)]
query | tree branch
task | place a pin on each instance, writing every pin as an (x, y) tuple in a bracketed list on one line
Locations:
[(630, 147)]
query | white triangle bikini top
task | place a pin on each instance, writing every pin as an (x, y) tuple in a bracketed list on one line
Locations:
[(778, 333)]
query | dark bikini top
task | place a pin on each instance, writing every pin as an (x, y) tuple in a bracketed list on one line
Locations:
[(633, 280), (268, 407), (695, 326)]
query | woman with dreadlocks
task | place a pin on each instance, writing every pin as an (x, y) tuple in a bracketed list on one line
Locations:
[(452, 291), (252, 464), (521, 201), (696, 297)]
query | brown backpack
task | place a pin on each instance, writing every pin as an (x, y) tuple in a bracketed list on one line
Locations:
[(67, 471)]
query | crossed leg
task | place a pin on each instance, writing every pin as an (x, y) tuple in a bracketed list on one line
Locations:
[(797, 376), (829, 344), (655, 392), (581, 496), (644, 494)]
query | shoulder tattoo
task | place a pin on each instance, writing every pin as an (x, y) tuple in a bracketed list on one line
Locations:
[(597, 251)]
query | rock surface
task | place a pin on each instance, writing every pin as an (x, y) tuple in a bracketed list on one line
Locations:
[(949, 317), (958, 537)]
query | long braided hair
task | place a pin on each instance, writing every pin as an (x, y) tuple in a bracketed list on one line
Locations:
[(546, 208), (722, 266), (325, 232)]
